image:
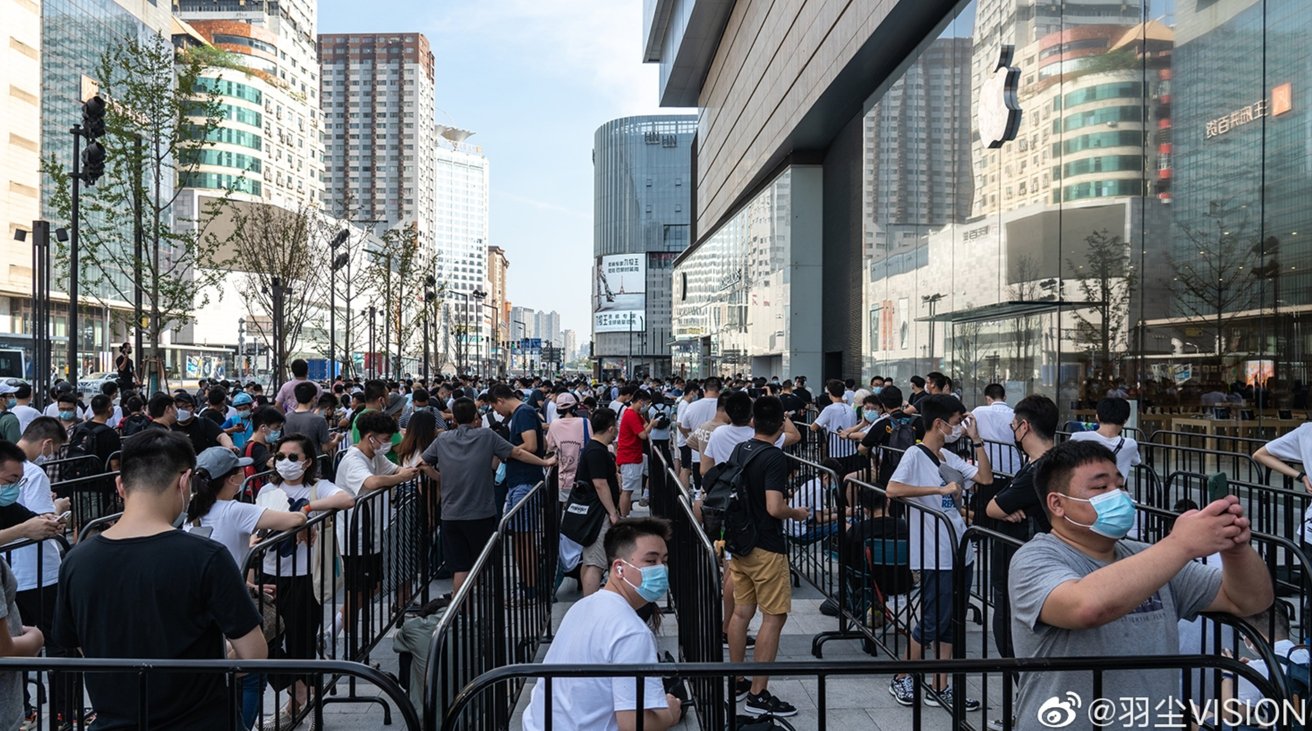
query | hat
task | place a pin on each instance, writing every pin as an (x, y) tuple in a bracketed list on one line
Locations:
[(184, 397), (242, 399), (394, 404), (566, 401), (219, 461), (6, 389)]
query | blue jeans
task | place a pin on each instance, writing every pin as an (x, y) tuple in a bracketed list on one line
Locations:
[(252, 698)]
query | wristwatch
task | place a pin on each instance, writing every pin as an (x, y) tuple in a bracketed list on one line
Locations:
[(1299, 477)]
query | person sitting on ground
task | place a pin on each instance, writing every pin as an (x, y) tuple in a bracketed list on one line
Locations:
[(605, 629), (1112, 415), (143, 568), (1082, 590), (817, 496)]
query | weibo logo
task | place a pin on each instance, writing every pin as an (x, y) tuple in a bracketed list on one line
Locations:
[(999, 110)]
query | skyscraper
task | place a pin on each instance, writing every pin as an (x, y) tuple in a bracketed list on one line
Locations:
[(641, 211), (378, 106), (460, 195)]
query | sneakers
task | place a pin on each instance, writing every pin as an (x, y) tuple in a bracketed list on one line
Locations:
[(945, 696), (903, 690), (281, 721), (724, 639), (766, 704), (742, 687)]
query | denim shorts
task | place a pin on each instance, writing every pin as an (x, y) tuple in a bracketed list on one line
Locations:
[(526, 520), (936, 604)]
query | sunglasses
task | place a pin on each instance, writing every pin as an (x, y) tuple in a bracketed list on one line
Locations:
[(287, 457)]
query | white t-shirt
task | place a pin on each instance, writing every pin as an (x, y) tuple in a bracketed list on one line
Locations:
[(53, 411), (1248, 692), (25, 416), (723, 440), (601, 629), (1125, 449), (680, 440), (298, 564), (994, 424), (811, 495), (551, 411), (232, 524), (1296, 446), (35, 496), (353, 470), (835, 418), (931, 545), (697, 413)]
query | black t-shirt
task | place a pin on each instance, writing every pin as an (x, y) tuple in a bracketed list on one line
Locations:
[(173, 595), (767, 472), (792, 403), (596, 463), (14, 514), (103, 439), (203, 433), (879, 434), (915, 397), (1022, 494), (804, 395), (215, 415)]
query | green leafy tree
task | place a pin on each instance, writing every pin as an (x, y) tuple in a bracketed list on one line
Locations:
[(1218, 281), (400, 265), (160, 97), (1107, 278)]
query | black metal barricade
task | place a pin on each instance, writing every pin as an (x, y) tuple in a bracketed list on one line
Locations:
[(1167, 459), (72, 467), (1198, 440), (812, 544), (1274, 510), (502, 612), (695, 586), (463, 712), (227, 673), (90, 497), (665, 485), (57, 698)]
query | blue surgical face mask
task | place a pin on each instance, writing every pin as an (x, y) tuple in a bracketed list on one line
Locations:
[(870, 414), (9, 494), (11, 403), (1115, 510), (68, 415), (275, 435), (655, 582), (878, 390)]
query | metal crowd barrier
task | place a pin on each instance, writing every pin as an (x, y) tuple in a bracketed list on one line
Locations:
[(463, 712), (1276, 510), (59, 693), (1166, 460), (695, 590), (1198, 440), (501, 614), (90, 497), (228, 674), (87, 463)]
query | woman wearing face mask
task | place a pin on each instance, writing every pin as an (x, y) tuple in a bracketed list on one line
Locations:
[(214, 513), (296, 476)]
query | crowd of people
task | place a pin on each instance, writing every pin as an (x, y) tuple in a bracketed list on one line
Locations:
[(227, 463)]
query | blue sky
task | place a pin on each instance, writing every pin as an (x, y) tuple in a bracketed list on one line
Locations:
[(534, 79)]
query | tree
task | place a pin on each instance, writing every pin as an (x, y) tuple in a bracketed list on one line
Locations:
[(159, 97), (1218, 281), (288, 245), (401, 265), (1025, 328), (1106, 278)]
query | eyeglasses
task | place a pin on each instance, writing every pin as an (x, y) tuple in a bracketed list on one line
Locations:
[(287, 457)]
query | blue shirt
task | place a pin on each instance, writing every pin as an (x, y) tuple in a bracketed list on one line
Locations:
[(238, 438), (524, 419)]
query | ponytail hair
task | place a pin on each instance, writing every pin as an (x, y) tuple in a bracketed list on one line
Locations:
[(204, 493)]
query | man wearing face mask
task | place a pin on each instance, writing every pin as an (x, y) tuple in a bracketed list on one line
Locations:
[(1082, 590), (10, 431), (919, 479), (183, 594), (203, 433), (604, 628)]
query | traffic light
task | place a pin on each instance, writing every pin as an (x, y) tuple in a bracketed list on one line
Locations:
[(93, 162), (93, 118)]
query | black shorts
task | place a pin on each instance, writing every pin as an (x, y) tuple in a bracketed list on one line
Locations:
[(464, 540), (685, 457), (363, 574)]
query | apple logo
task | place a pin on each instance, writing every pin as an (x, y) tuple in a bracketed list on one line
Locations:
[(999, 110)]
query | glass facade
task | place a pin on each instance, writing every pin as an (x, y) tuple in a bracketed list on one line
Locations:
[(1147, 225), (642, 206)]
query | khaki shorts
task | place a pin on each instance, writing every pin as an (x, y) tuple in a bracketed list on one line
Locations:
[(594, 554), (761, 578)]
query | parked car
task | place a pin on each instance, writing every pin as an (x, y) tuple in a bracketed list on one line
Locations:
[(90, 384)]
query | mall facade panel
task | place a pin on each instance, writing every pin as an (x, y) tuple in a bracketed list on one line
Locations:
[(1058, 196), (642, 204)]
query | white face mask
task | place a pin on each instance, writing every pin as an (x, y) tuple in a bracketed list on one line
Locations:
[(289, 470), (954, 434), (383, 448)]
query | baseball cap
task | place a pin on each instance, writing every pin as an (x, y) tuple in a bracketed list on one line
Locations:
[(6, 389), (219, 461), (394, 404), (183, 397), (566, 401)]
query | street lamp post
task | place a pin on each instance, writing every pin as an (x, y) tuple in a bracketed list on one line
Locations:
[(373, 363), (339, 260), (429, 297), (932, 300), (479, 295), (523, 329), (494, 348)]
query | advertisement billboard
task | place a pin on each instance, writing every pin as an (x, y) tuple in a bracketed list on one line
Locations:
[(619, 293)]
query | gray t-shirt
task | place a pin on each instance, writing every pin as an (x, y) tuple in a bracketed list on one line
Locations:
[(309, 424), (464, 457), (1046, 562), (11, 684)]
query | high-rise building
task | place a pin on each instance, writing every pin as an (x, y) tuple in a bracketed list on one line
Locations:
[(378, 111), (498, 273), (269, 146), (641, 212), (569, 344), (20, 165), (460, 195)]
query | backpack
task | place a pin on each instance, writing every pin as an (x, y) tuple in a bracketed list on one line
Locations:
[(901, 432), (83, 441), (133, 424), (726, 510), (499, 425)]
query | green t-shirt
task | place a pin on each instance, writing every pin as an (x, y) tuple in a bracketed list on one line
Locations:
[(355, 437)]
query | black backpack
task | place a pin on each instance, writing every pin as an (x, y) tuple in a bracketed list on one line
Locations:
[(726, 510), (901, 437), (134, 424)]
